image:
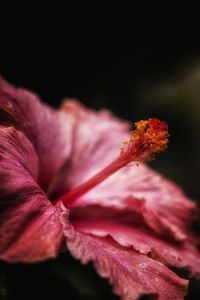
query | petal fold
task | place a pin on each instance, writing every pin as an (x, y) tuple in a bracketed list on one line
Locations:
[(30, 225), (46, 128), (130, 273), (130, 230)]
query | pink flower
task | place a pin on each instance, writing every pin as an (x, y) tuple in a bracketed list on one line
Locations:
[(129, 220)]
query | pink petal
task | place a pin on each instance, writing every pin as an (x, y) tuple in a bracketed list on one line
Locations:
[(47, 129), (130, 273), (102, 222), (97, 139), (30, 225), (163, 205)]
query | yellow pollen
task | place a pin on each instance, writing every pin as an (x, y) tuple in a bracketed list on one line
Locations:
[(148, 138)]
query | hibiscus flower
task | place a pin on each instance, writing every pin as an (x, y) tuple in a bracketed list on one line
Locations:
[(64, 186)]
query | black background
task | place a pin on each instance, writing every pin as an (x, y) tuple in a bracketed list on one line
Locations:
[(107, 55)]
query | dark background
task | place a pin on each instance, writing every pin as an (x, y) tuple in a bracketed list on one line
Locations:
[(139, 64)]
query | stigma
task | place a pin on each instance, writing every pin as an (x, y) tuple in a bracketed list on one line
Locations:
[(147, 139)]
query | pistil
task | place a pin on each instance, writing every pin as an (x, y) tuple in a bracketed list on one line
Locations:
[(148, 138)]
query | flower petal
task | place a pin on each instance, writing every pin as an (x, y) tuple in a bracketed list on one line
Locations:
[(163, 205), (30, 225), (128, 230), (130, 273), (47, 129), (96, 139), (97, 136)]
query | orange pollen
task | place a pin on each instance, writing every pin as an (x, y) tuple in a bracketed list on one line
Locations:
[(148, 138)]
